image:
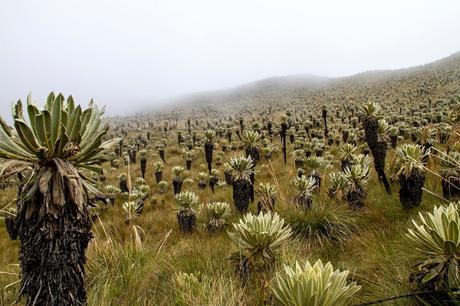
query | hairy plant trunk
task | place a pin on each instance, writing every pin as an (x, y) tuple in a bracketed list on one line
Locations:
[(186, 220), (450, 186), (162, 154), (177, 186), (52, 257), (410, 193), (370, 126), (228, 178), (123, 186), (254, 153), (283, 139), (120, 148), (208, 148), (117, 151), (54, 229), (251, 186), (241, 194), (158, 176), (378, 149), (379, 153), (143, 166), (213, 182), (326, 132), (298, 164), (394, 141), (345, 135), (132, 156), (356, 198)]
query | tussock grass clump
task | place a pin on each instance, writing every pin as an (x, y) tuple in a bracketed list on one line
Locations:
[(321, 222), (115, 265), (198, 289)]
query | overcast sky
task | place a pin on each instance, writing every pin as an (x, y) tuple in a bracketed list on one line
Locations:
[(129, 53)]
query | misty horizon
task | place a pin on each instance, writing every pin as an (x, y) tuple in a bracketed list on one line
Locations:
[(146, 54)]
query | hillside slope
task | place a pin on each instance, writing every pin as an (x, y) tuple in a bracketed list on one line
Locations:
[(437, 80)]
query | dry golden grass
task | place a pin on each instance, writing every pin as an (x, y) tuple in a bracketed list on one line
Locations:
[(139, 265)]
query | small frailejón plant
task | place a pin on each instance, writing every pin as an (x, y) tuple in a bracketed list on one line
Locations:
[(131, 210), (202, 179), (241, 170), (315, 165), (407, 166), (213, 178), (53, 221), (305, 187), (215, 215), (436, 237), (426, 137), (346, 153), (177, 179), (123, 184), (189, 156), (356, 178), (251, 144), (111, 192), (158, 168), (313, 285), (187, 203), (258, 237), (299, 158)]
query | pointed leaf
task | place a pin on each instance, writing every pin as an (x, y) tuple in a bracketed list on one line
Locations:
[(56, 119), (49, 101), (26, 135)]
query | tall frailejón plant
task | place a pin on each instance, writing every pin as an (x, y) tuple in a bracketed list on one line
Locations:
[(53, 224), (374, 133), (209, 147)]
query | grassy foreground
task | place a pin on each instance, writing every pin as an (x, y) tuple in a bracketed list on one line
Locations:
[(141, 264)]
